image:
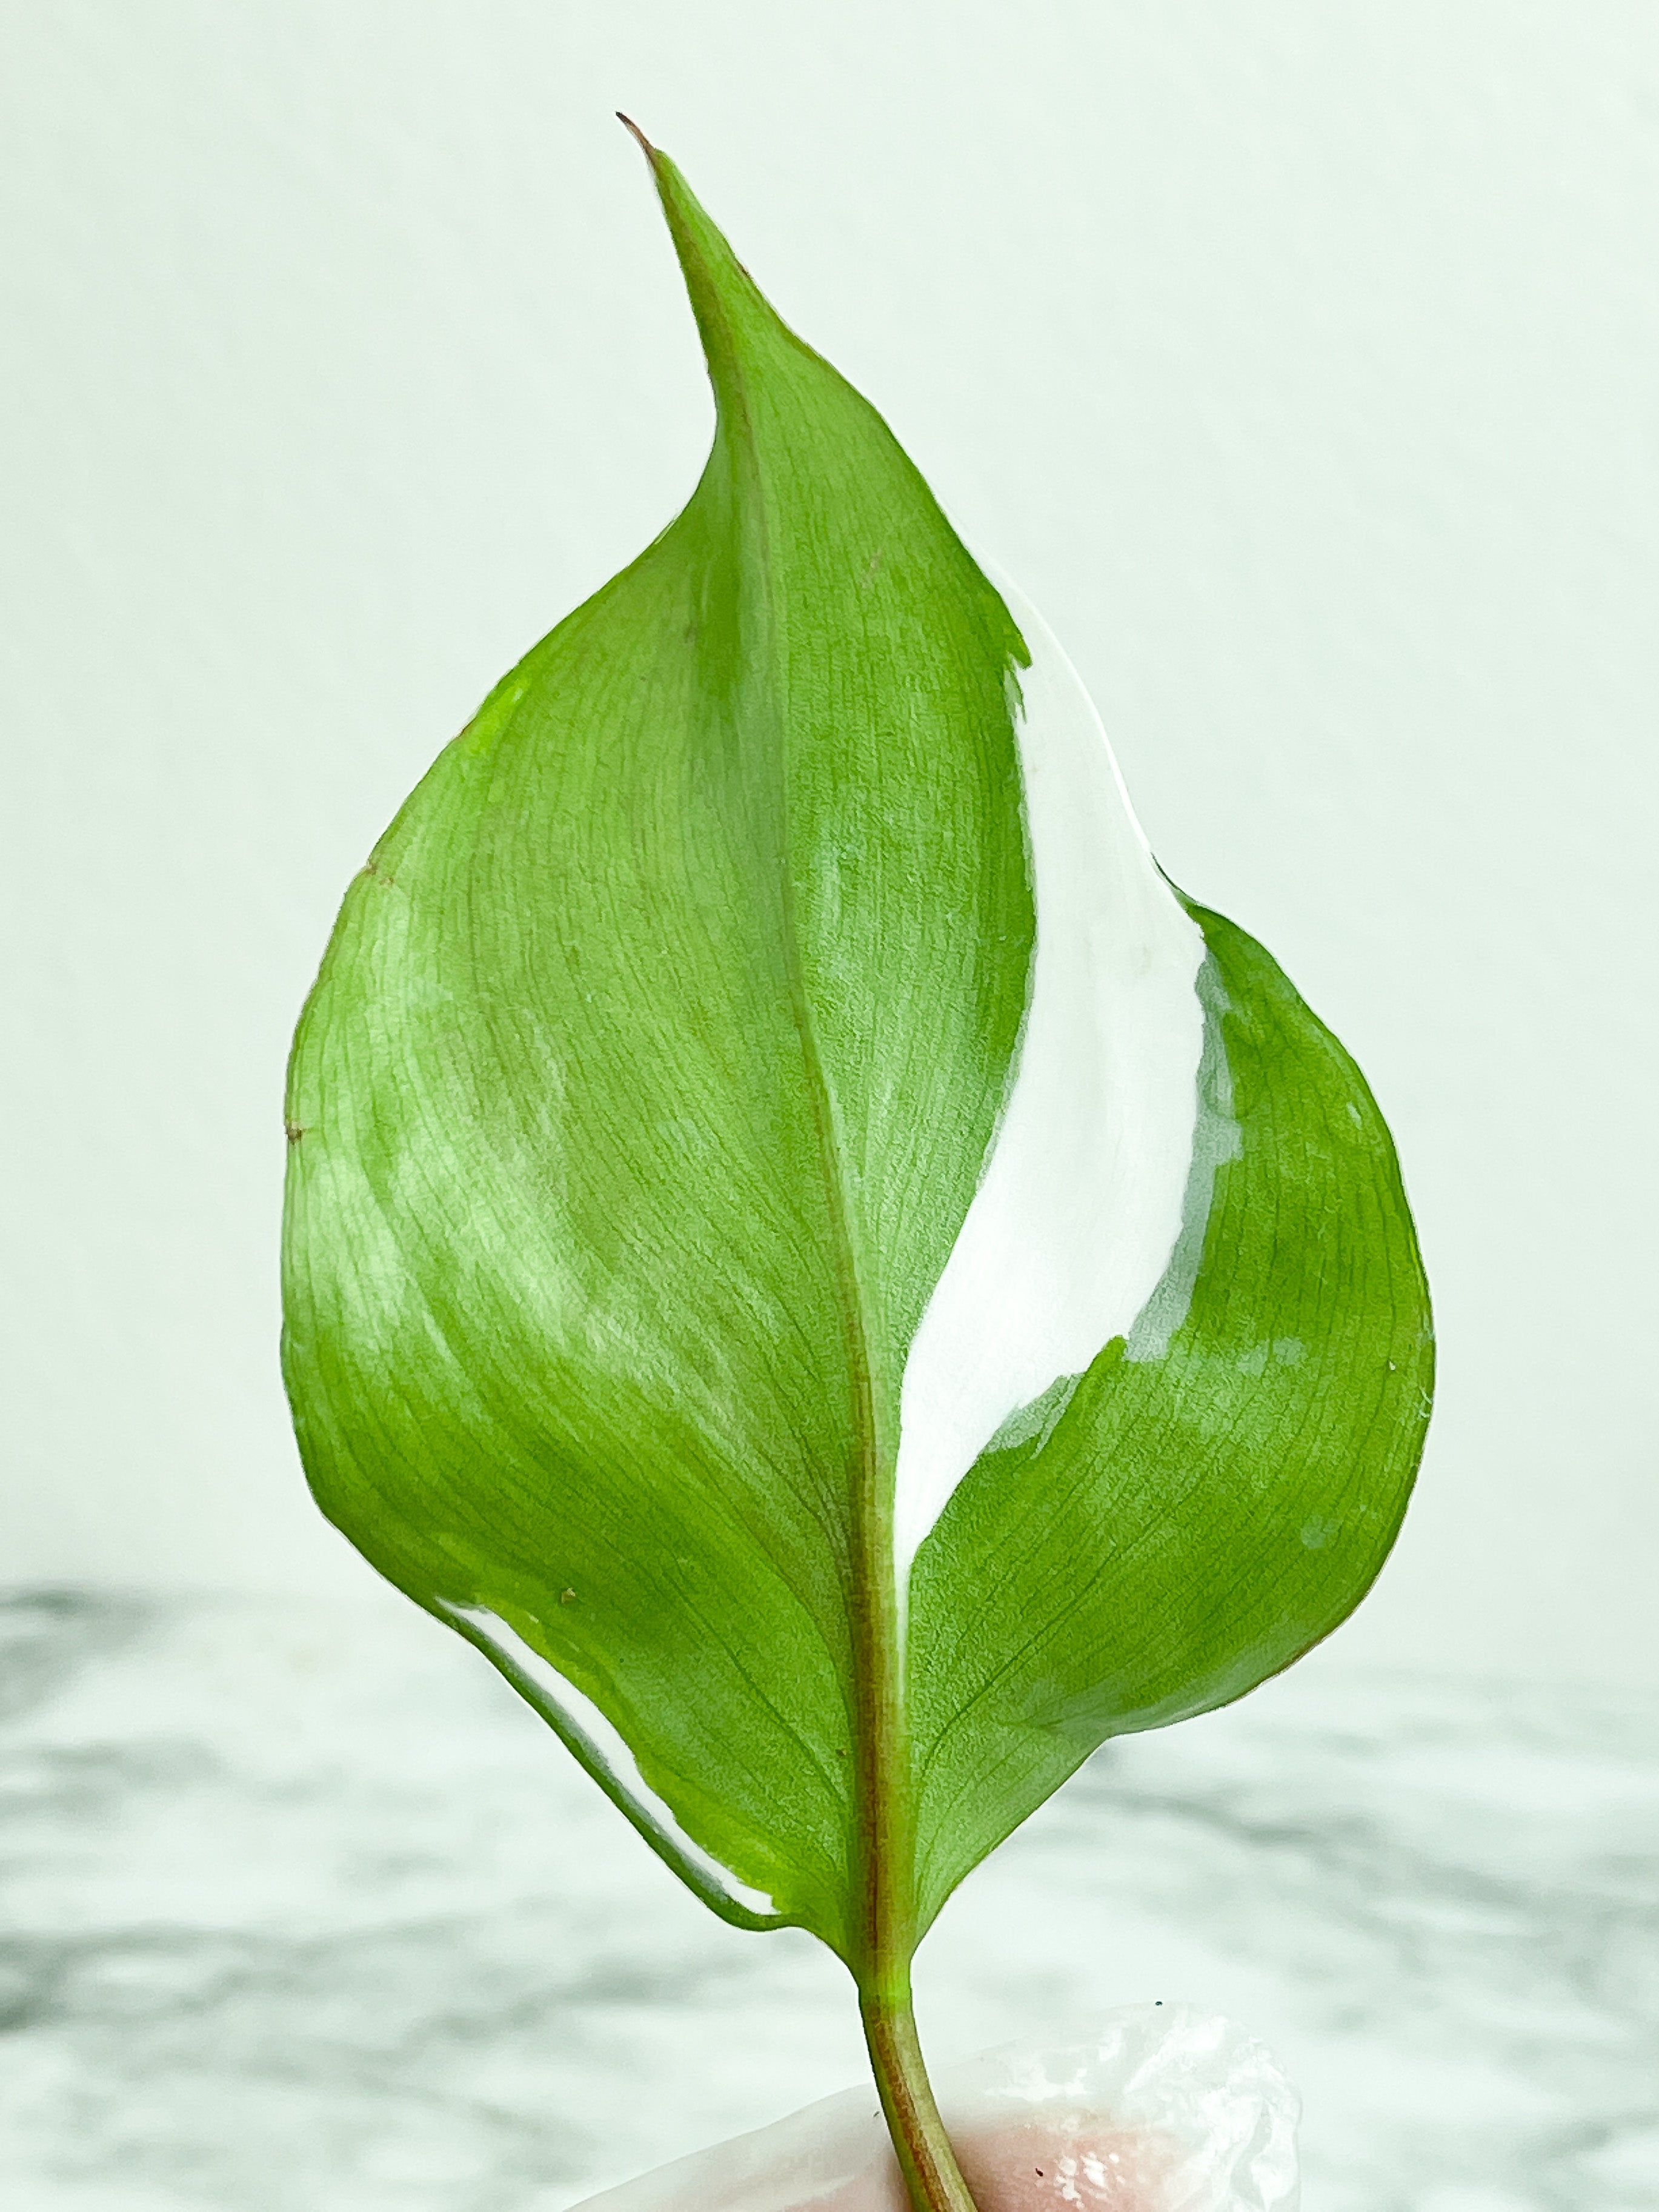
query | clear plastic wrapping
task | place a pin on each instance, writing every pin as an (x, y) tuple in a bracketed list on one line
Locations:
[(1159, 2108)]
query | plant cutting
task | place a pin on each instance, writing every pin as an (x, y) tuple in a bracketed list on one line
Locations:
[(801, 1244)]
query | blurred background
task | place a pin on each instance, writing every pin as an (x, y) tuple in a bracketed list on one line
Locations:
[(1298, 361)]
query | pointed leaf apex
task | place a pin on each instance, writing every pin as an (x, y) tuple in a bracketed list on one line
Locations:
[(732, 314)]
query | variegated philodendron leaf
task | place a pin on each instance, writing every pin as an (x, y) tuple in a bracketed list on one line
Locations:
[(801, 1244)]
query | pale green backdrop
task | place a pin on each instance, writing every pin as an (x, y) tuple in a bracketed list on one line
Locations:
[(1301, 360)]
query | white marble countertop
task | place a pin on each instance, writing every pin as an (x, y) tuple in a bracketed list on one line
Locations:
[(302, 1911)]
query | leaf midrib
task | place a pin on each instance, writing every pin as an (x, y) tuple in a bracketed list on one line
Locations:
[(881, 1936)]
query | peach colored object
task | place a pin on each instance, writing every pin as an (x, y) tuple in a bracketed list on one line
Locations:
[(1160, 2109), (1069, 2158)]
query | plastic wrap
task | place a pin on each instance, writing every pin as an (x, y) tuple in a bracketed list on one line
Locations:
[(1156, 2109)]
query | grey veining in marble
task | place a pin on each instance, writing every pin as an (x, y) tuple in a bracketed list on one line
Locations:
[(303, 1912)]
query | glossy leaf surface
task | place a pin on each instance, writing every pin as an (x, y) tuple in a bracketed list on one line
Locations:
[(799, 1243)]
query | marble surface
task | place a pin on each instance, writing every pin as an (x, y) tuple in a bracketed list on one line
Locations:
[(299, 1908)]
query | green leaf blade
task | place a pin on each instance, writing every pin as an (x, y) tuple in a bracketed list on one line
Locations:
[(799, 1243)]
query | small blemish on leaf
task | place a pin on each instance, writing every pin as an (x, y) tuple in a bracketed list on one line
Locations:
[(1289, 1350), (567, 1597), (295, 1130), (1320, 1532)]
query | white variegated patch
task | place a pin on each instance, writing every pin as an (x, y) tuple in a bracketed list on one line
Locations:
[(538, 1680), (1080, 1205)]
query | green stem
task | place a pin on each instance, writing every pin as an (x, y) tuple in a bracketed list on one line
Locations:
[(933, 2179)]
